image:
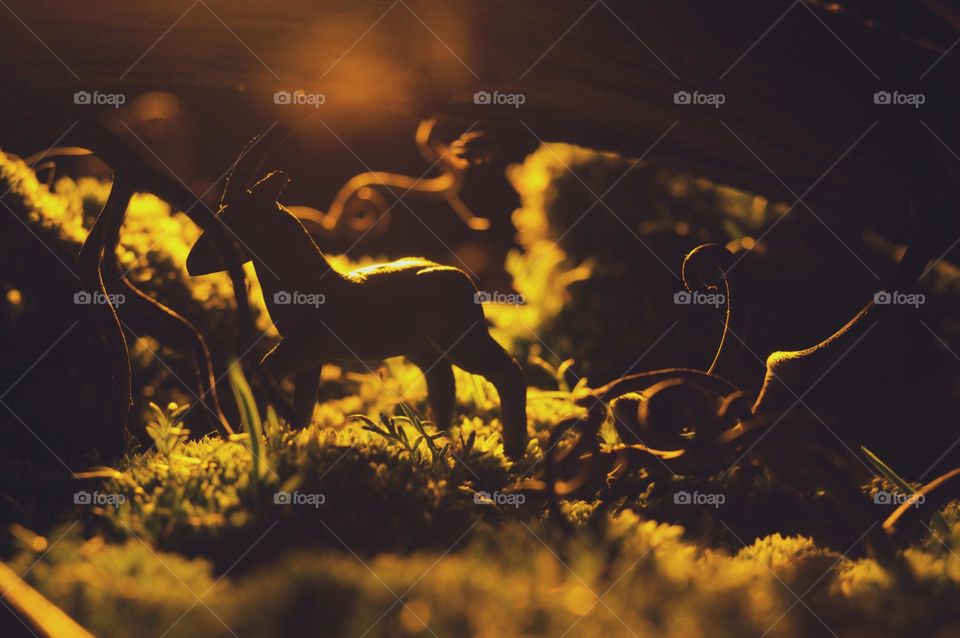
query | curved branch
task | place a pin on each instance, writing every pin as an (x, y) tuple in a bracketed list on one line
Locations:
[(110, 441), (707, 268)]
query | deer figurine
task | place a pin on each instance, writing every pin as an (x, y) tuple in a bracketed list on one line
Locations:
[(323, 315)]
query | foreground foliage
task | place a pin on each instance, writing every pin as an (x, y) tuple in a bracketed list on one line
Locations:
[(394, 523)]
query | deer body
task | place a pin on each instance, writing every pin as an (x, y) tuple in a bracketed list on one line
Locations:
[(412, 307)]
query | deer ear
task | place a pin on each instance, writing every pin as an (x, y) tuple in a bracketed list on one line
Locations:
[(246, 166), (204, 259), (270, 187)]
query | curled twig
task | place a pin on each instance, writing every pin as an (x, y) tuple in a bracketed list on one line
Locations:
[(360, 204)]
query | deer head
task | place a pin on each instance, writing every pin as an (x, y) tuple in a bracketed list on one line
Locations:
[(244, 210)]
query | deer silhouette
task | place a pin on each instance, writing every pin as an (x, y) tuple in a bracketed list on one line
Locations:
[(412, 307)]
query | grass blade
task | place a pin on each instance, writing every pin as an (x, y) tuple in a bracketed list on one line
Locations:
[(249, 418)]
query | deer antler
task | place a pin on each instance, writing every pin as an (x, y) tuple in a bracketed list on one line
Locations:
[(245, 169)]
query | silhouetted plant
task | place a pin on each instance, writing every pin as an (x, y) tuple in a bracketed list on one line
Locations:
[(392, 428)]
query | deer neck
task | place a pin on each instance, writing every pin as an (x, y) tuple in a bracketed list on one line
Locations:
[(285, 255)]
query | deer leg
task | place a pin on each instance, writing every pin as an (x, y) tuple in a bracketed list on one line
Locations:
[(479, 353), (441, 389), (290, 355), (306, 385)]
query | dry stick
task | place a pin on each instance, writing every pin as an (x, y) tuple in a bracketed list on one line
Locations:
[(908, 512), (445, 187), (161, 320), (933, 202), (142, 177), (114, 152), (706, 268), (110, 441), (35, 610)]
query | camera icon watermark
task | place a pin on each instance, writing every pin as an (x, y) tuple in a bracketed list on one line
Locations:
[(99, 499), (698, 498), (883, 497), (97, 298), (312, 499), (716, 100), (296, 298), (916, 100), (687, 298), (896, 298), (516, 100), (299, 98), (96, 98), (499, 298), (499, 499)]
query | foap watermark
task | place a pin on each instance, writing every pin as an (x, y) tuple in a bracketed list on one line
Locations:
[(687, 298), (296, 298), (101, 499), (313, 499), (516, 100), (499, 499), (884, 497), (700, 99), (897, 298), (299, 98), (96, 98), (699, 498), (500, 298), (97, 298), (916, 100)]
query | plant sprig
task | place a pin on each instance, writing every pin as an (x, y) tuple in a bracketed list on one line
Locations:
[(422, 449), (166, 429)]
